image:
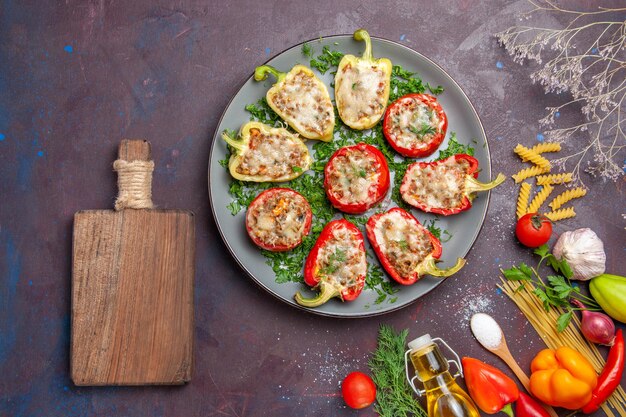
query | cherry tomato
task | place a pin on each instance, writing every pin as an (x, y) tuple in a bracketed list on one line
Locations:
[(358, 390), (533, 230)]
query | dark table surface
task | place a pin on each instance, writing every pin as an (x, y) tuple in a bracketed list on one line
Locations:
[(77, 76)]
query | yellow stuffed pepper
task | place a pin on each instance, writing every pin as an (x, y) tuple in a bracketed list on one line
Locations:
[(562, 378)]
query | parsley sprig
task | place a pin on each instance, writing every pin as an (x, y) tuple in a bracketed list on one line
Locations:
[(558, 291)]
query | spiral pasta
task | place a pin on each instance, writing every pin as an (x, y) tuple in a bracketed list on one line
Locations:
[(546, 147), (529, 155), (529, 172), (561, 214), (522, 199), (539, 199), (566, 196), (554, 179)]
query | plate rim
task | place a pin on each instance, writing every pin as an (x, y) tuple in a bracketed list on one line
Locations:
[(270, 290)]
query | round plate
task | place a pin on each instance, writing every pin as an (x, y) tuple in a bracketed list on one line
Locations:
[(463, 227)]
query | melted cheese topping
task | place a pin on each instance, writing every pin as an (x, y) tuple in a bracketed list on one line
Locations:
[(413, 123), (273, 155), (438, 186), (361, 91), (354, 177), (341, 261), (403, 242), (303, 101), (278, 220)]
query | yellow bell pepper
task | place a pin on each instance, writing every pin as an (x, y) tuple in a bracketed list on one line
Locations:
[(562, 378)]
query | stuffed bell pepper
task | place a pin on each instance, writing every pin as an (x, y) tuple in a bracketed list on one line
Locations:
[(265, 153), (300, 99), (356, 177), (446, 186), (362, 86), (278, 219), (405, 248), (337, 265), (415, 125)]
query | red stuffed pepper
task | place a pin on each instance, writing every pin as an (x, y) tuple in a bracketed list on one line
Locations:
[(356, 177), (446, 186), (336, 265), (415, 125), (405, 248), (278, 219)]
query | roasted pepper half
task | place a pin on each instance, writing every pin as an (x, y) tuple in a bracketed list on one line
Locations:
[(356, 177), (362, 86), (446, 186), (300, 99), (336, 265), (263, 153), (415, 125), (405, 248), (491, 390), (562, 378)]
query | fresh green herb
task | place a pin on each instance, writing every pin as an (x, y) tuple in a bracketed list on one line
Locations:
[(326, 60), (454, 148), (307, 50), (557, 292), (394, 397), (334, 262), (354, 85), (434, 90), (358, 221), (262, 112), (404, 245), (403, 82), (442, 235), (425, 129), (296, 169)]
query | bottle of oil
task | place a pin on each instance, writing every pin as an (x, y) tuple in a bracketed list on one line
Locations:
[(444, 397)]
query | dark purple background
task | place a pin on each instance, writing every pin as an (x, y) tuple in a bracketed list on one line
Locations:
[(77, 76)]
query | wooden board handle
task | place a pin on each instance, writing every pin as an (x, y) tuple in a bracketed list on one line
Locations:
[(134, 175)]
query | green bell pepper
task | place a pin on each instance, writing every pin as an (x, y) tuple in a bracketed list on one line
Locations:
[(610, 292)]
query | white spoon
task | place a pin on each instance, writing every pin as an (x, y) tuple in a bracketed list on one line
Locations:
[(490, 335)]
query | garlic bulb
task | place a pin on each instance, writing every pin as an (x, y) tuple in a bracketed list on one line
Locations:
[(584, 252)]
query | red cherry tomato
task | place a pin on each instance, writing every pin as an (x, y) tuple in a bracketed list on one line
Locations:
[(533, 230), (358, 390)]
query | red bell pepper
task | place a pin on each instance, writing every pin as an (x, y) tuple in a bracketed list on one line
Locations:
[(336, 265), (490, 389), (610, 377), (527, 406), (446, 186), (405, 248), (415, 125), (356, 177), (267, 215)]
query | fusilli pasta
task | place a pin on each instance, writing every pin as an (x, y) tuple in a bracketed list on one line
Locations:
[(539, 199), (554, 178), (561, 214), (522, 199), (566, 196), (528, 155), (546, 147), (529, 172)]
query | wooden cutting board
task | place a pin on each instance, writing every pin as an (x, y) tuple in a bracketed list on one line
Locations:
[(132, 285)]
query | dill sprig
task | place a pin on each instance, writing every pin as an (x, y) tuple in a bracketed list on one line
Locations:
[(394, 397)]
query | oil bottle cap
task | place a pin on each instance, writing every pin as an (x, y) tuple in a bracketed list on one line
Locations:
[(420, 342)]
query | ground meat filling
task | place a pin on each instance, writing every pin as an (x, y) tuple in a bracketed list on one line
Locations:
[(413, 123), (403, 242), (362, 91), (272, 155), (279, 220), (341, 261), (438, 185), (302, 99), (354, 176)]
